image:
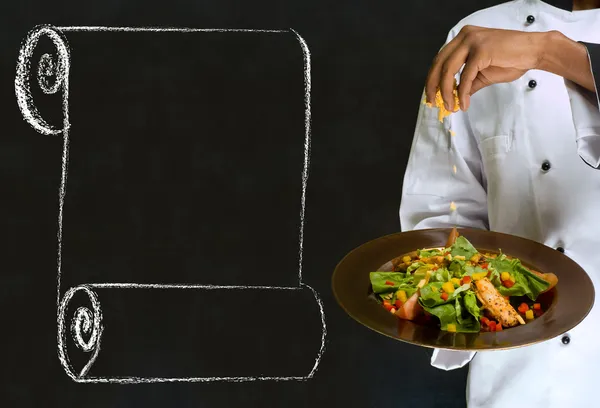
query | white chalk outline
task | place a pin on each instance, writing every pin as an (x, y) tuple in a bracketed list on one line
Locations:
[(86, 321)]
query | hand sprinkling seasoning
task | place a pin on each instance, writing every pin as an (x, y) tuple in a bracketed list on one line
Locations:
[(439, 103)]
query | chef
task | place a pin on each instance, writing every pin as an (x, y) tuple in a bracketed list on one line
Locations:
[(521, 156)]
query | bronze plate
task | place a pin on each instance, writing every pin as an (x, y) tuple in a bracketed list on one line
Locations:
[(571, 299)]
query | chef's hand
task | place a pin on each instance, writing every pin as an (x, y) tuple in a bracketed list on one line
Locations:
[(492, 56)]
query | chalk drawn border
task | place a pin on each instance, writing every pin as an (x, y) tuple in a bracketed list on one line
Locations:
[(90, 321)]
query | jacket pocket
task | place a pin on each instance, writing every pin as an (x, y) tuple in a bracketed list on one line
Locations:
[(495, 147)]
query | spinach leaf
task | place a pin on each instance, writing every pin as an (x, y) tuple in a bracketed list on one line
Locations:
[(441, 275), (431, 295), (470, 301), (447, 314), (462, 247), (400, 280), (470, 269), (457, 267)]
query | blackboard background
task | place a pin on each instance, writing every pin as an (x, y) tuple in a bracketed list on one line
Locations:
[(369, 62)]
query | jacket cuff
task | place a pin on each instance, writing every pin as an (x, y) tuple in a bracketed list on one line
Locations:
[(585, 108), (593, 51), (451, 359)]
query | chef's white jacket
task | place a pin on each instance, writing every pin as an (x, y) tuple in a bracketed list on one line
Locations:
[(526, 156)]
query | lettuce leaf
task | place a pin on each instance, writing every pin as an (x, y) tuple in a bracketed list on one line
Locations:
[(414, 266), (421, 273), (526, 283), (462, 247), (427, 254)]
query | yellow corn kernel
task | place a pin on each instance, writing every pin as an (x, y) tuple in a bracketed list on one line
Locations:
[(479, 275), (406, 259), (434, 289), (449, 257), (459, 257), (505, 276), (456, 281), (448, 287), (475, 258), (401, 295), (451, 328), (529, 314)]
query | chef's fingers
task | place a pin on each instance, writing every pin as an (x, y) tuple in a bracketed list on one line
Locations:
[(474, 64), (433, 77), (451, 67)]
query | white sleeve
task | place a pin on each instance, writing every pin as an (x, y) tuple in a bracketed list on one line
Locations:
[(444, 166), (431, 184), (585, 108)]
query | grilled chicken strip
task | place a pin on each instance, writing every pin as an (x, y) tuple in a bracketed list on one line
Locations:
[(496, 304)]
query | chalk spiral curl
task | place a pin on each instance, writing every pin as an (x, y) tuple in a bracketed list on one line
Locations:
[(48, 68), (85, 323)]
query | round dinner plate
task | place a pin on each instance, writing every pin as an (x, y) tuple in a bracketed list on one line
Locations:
[(572, 298)]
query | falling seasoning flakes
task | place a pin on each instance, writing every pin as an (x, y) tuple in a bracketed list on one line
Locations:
[(452, 206), (454, 169), (452, 133)]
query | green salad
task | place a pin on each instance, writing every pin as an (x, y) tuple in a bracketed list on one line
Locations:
[(462, 289)]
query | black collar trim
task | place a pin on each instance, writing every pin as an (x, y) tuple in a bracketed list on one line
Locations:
[(562, 4)]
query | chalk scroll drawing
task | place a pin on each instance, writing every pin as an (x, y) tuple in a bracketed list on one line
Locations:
[(86, 326)]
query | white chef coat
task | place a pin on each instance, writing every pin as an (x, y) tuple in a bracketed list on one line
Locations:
[(518, 154)]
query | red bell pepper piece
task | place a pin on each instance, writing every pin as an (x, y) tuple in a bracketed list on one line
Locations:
[(523, 307), (508, 284)]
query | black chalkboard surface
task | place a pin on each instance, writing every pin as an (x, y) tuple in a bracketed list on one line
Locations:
[(179, 180)]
